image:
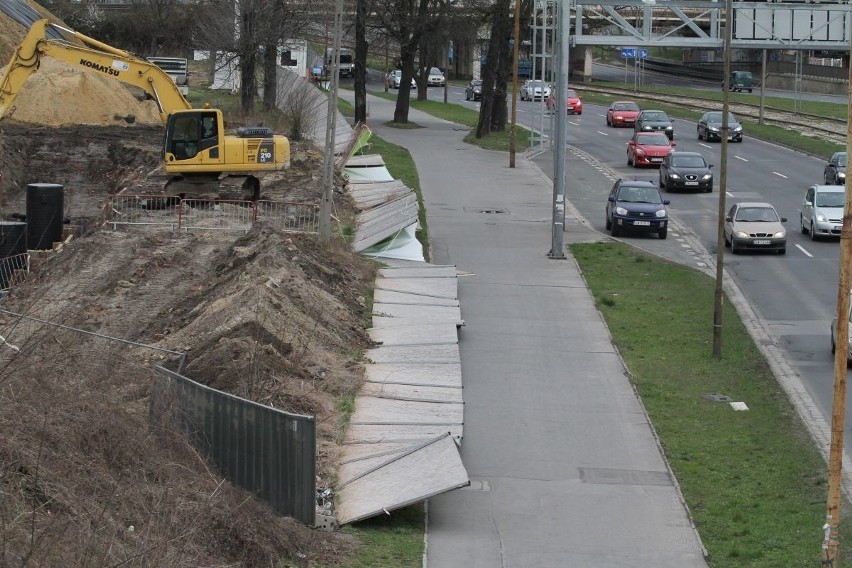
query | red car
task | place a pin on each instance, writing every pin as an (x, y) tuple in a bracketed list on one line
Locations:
[(573, 102), (622, 113), (648, 149)]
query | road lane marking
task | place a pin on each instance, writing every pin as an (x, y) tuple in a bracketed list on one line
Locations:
[(780, 175), (801, 248), (708, 146), (741, 158), (602, 133)]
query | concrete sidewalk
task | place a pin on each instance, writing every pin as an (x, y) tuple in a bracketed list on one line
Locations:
[(565, 468)]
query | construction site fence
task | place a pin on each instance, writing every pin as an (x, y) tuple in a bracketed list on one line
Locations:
[(266, 451), (13, 270), (210, 214)]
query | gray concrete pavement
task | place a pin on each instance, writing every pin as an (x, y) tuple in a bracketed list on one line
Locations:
[(565, 468)]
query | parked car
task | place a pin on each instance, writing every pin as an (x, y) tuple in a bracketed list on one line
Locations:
[(648, 149), (835, 170), (395, 78), (622, 113), (822, 211), (710, 127), (686, 170), (435, 78), (740, 81), (534, 90), (652, 121), (755, 226), (573, 104), (636, 206), (473, 91)]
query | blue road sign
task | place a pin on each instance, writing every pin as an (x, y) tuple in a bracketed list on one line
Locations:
[(633, 53)]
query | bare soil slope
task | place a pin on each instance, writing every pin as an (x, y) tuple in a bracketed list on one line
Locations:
[(85, 478)]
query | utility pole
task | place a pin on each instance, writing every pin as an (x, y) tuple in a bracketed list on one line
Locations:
[(563, 17), (328, 158), (762, 83), (718, 301), (512, 131), (831, 543)]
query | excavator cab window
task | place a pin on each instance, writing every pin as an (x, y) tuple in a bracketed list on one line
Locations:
[(209, 133), (184, 135)]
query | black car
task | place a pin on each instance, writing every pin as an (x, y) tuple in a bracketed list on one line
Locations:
[(710, 127), (835, 169), (686, 171), (636, 206), (473, 91), (654, 120)]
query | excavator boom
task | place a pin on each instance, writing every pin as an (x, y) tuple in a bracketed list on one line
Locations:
[(94, 55)]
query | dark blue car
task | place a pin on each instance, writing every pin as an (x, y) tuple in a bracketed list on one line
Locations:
[(636, 206)]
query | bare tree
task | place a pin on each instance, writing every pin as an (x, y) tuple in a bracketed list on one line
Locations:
[(405, 22), (493, 112), (362, 9)]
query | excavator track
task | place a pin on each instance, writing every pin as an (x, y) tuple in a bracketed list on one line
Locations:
[(236, 187)]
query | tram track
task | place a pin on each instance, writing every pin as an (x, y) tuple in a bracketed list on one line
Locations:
[(823, 127)]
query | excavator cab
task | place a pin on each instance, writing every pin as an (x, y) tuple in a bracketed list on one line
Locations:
[(188, 133)]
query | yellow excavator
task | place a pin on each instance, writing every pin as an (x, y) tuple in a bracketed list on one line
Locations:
[(197, 154)]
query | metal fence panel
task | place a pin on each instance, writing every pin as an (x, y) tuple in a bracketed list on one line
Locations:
[(214, 214), (211, 214), (259, 448), (142, 210), (289, 216), (13, 270)]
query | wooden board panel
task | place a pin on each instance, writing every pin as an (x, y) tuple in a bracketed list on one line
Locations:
[(409, 373), (413, 392), (420, 334), (431, 470)]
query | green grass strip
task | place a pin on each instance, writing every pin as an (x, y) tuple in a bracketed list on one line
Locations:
[(754, 480)]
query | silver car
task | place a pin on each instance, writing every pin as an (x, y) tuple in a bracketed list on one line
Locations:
[(822, 211), (395, 78), (534, 90), (755, 226), (834, 337)]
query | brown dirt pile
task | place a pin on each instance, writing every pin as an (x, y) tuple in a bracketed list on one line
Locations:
[(58, 94), (85, 478), (268, 316)]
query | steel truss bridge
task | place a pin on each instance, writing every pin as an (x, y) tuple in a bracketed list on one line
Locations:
[(701, 24)]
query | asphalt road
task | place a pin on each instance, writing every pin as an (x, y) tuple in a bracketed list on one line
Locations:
[(794, 295)]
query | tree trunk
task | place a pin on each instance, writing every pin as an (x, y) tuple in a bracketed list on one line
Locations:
[(248, 63), (493, 111), (400, 113), (270, 77), (361, 47)]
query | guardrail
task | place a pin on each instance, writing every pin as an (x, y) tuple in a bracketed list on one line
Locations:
[(210, 214)]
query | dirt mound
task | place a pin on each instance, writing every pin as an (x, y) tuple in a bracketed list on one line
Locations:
[(278, 318), (267, 316), (59, 94)]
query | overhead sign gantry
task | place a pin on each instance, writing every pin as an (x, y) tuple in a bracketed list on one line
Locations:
[(700, 24)]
